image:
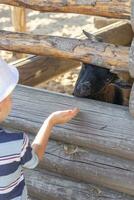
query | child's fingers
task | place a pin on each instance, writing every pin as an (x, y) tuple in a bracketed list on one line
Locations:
[(76, 110), (73, 112), (70, 111)]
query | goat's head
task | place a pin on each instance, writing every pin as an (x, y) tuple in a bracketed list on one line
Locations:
[(91, 80)]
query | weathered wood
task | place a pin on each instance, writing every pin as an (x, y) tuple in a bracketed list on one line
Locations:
[(101, 126), (97, 53), (132, 14), (118, 33), (34, 70), (100, 22), (131, 62), (18, 19), (46, 185), (131, 70), (86, 166), (90, 166), (18, 16), (115, 9), (131, 102), (131, 59)]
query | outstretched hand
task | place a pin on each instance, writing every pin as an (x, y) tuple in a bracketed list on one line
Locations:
[(58, 117), (61, 117)]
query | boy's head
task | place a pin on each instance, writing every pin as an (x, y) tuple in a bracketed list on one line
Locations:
[(9, 77)]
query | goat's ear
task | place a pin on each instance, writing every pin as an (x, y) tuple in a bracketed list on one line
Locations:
[(92, 37)]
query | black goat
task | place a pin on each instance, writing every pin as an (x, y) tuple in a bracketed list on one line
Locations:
[(100, 84)]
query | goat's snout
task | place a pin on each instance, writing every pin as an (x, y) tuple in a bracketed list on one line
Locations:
[(83, 89)]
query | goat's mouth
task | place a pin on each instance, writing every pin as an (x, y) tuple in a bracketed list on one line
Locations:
[(83, 89)]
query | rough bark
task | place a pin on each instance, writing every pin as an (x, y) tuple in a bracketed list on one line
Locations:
[(114, 8), (88, 51)]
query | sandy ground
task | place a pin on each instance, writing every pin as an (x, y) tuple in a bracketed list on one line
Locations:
[(58, 24)]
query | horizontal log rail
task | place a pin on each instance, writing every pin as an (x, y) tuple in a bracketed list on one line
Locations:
[(42, 183), (100, 126), (119, 33), (98, 53), (115, 8), (109, 130), (34, 70), (89, 166)]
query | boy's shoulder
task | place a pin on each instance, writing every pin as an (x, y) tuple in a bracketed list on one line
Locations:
[(7, 136)]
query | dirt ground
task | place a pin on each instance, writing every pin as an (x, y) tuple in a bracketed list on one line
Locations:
[(58, 24)]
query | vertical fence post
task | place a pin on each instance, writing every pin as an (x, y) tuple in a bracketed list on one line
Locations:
[(131, 63), (18, 16)]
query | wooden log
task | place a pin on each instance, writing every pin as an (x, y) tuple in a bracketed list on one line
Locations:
[(18, 16), (18, 19), (97, 53), (84, 165), (132, 14), (131, 63), (100, 22), (131, 70), (131, 102), (118, 33), (100, 126), (89, 166), (34, 70), (43, 184), (66, 163), (131, 59), (114, 9)]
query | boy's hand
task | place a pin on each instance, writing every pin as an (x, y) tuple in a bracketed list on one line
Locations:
[(61, 117)]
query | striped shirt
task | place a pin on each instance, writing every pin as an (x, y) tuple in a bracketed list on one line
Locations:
[(15, 153)]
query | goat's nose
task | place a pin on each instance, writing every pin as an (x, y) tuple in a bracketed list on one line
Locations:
[(84, 89)]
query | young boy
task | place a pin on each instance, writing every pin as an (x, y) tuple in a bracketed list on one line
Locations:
[(15, 149)]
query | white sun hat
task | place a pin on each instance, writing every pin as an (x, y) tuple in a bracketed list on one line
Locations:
[(9, 77)]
